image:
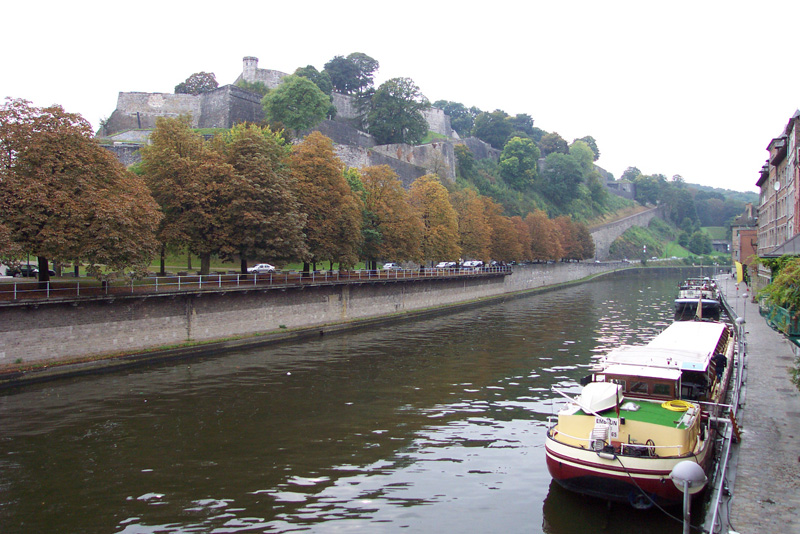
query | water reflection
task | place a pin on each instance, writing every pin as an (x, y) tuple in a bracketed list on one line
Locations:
[(426, 426)]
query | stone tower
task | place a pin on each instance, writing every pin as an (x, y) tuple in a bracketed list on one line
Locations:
[(249, 69)]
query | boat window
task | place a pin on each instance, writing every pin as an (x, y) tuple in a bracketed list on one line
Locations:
[(639, 387), (662, 389)]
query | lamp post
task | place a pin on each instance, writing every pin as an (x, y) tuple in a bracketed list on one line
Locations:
[(690, 479)]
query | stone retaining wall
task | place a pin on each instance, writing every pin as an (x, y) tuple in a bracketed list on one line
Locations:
[(66, 331)]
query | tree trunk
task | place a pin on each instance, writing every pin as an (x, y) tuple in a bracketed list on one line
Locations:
[(163, 260), (44, 272), (244, 266), (189, 262), (306, 267), (205, 263)]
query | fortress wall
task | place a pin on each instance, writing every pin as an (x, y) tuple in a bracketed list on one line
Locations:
[(437, 157)]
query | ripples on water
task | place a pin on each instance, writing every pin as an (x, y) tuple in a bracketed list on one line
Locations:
[(425, 426)]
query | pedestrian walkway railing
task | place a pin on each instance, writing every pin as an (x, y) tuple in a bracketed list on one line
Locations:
[(17, 290)]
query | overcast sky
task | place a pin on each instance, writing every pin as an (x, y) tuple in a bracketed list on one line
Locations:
[(690, 88)]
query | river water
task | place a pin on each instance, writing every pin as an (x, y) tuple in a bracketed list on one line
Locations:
[(426, 426)]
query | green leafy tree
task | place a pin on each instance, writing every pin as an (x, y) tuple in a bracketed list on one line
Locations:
[(297, 104), (589, 140), (552, 143), (583, 155), (630, 174), (522, 122), (396, 115), (65, 198), (320, 79), (197, 83), (518, 163), (560, 178), (465, 162), (493, 128), (699, 243), (353, 74), (462, 119)]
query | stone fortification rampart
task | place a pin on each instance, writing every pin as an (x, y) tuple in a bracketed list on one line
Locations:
[(63, 331), (605, 235)]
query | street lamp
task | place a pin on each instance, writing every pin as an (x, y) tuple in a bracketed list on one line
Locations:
[(690, 478)]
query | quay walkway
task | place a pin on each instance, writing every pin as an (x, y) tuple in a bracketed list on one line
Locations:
[(765, 480)]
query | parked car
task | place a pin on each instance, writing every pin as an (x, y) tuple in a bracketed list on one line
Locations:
[(26, 270), (446, 265), (391, 266), (472, 264), (261, 268)]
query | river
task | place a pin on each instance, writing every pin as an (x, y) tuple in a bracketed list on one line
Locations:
[(434, 425)]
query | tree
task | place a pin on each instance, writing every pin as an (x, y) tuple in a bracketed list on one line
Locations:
[(396, 114), (263, 216), (430, 200), (474, 232), (504, 245), (352, 74), (583, 155), (320, 79), (630, 174), (523, 123), (297, 104), (590, 141), (552, 143), (493, 128), (197, 83), (699, 243), (333, 227), (524, 237), (560, 178), (545, 239), (518, 163), (391, 230), (65, 198), (465, 162), (572, 249), (462, 119), (193, 184)]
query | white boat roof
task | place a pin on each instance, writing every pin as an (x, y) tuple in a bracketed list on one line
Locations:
[(643, 371), (684, 345)]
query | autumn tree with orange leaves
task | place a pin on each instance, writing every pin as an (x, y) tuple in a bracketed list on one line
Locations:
[(430, 200), (65, 198), (392, 231), (474, 231), (263, 218), (333, 226), (545, 238)]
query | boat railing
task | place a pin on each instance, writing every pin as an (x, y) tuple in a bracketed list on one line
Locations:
[(652, 450)]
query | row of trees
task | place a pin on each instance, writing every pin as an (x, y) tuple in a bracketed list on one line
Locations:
[(244, 194)]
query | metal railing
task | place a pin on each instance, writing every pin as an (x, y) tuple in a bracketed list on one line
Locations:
[(16, 290)]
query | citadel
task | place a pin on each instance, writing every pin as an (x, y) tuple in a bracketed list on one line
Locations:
[(130, 124)]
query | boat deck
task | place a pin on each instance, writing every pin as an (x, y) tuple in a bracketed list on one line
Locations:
[(648, 412)]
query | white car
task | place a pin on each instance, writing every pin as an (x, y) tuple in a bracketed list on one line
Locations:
[(261, 268), (391, 266), (472, 264), (445, 265)]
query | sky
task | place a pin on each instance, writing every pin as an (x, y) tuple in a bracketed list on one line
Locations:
[(696, 89)]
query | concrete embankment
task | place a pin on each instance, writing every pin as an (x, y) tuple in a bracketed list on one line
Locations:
[(43, 340), (766, 483)]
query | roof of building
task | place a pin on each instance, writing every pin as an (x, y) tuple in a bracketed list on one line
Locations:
[(789, 248)]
